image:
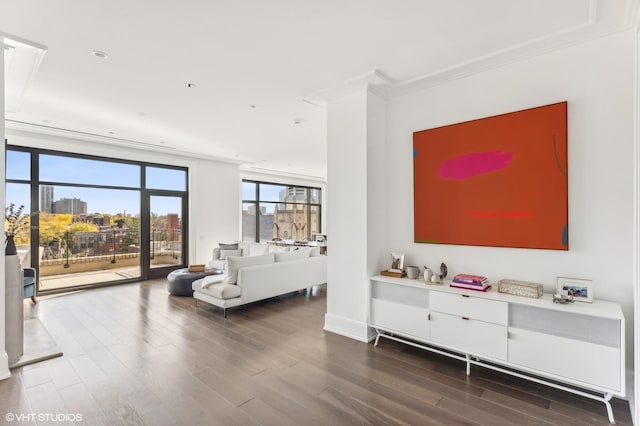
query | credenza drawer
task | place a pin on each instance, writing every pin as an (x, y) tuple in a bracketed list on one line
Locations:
[(493, 311), (404, 319), (469, 335), (576, 360)]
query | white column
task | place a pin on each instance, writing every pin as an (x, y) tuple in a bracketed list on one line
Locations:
[(355, 208), (635, 396), (4, 359)]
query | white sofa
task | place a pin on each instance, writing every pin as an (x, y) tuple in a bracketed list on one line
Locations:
[(249, 279)]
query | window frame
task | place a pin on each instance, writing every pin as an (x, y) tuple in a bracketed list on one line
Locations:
[(257, 202), (142, 189)]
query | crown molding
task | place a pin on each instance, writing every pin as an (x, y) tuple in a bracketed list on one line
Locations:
[(600, 22), (375, 81)]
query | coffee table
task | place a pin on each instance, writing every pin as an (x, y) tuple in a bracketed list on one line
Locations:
[(180, 280)]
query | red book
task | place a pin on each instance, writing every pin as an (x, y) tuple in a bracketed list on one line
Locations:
[(469, 277), (472, 287), (462, 281)]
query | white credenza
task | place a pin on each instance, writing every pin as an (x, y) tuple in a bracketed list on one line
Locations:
[(576, 347)]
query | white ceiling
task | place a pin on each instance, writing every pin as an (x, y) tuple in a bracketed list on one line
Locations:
[(284, 56)]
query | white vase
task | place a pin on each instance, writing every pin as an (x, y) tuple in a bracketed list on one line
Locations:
[(427, 274)]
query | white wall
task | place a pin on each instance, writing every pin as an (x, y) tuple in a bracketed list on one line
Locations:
[(213, 187), (356, 206), (597, 80), (377, 178), (4, 359), (214, 202), (636, 390), (347, 211)]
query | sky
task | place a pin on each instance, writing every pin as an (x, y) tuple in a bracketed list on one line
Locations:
[(68, 170), (110, 201), (268, 192)]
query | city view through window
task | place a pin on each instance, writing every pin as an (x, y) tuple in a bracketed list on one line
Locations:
[(274, 211), (90, 218)]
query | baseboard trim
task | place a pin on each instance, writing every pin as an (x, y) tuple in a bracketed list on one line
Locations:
[(5, 373), (348, 327)]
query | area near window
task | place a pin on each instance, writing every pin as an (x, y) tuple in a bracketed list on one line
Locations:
[(288, 212), (96, 220)]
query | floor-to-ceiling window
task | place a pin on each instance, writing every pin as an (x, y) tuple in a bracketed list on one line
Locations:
[(271, 210), (97, 220)]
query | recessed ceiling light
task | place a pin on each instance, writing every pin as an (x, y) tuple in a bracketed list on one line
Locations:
[(99, 54), (253, 106), (297, 121), (46, 121), (112, 133), (191, 85)]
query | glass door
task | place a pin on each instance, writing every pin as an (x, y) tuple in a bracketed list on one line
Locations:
[(167, 232)]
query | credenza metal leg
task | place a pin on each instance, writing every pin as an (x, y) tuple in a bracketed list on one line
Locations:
[(468, 364), (607, 403)]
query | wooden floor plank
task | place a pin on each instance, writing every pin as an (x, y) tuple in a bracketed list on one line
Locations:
[(133, 354), (266, 415)]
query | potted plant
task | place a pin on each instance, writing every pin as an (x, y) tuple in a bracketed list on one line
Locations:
[(15, 222)]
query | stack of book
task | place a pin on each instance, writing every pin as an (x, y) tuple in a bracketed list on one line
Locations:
[(197, 267), (470, 282)]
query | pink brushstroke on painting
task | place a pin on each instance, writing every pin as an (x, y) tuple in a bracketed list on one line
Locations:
[(470, 165)]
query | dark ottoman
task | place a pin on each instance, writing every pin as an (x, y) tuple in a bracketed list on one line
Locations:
[(180, 280)]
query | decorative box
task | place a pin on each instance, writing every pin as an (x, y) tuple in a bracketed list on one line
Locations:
[(394, 274), (520, 288)]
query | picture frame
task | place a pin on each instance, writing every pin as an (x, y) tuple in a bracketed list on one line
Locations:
[(581, 290), (396, 262)]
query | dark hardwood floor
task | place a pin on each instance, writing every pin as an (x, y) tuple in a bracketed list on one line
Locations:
[(133, 354)]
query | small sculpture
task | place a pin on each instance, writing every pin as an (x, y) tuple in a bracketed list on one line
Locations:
[(443, 270), (563, 298), (427, 274)]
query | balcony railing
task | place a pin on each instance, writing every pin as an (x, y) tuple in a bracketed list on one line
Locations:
[(117, 246)]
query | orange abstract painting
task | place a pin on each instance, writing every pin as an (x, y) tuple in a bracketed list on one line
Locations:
[(499, 181)]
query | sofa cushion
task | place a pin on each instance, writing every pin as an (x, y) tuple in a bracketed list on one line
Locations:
[(211, 280), (218, 264), (244, 246), (226, 253), (257, 249), (234, 263), (224, 291), (291, 255), (231, 246), (277, 249), (215, 254), (250, 248)]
